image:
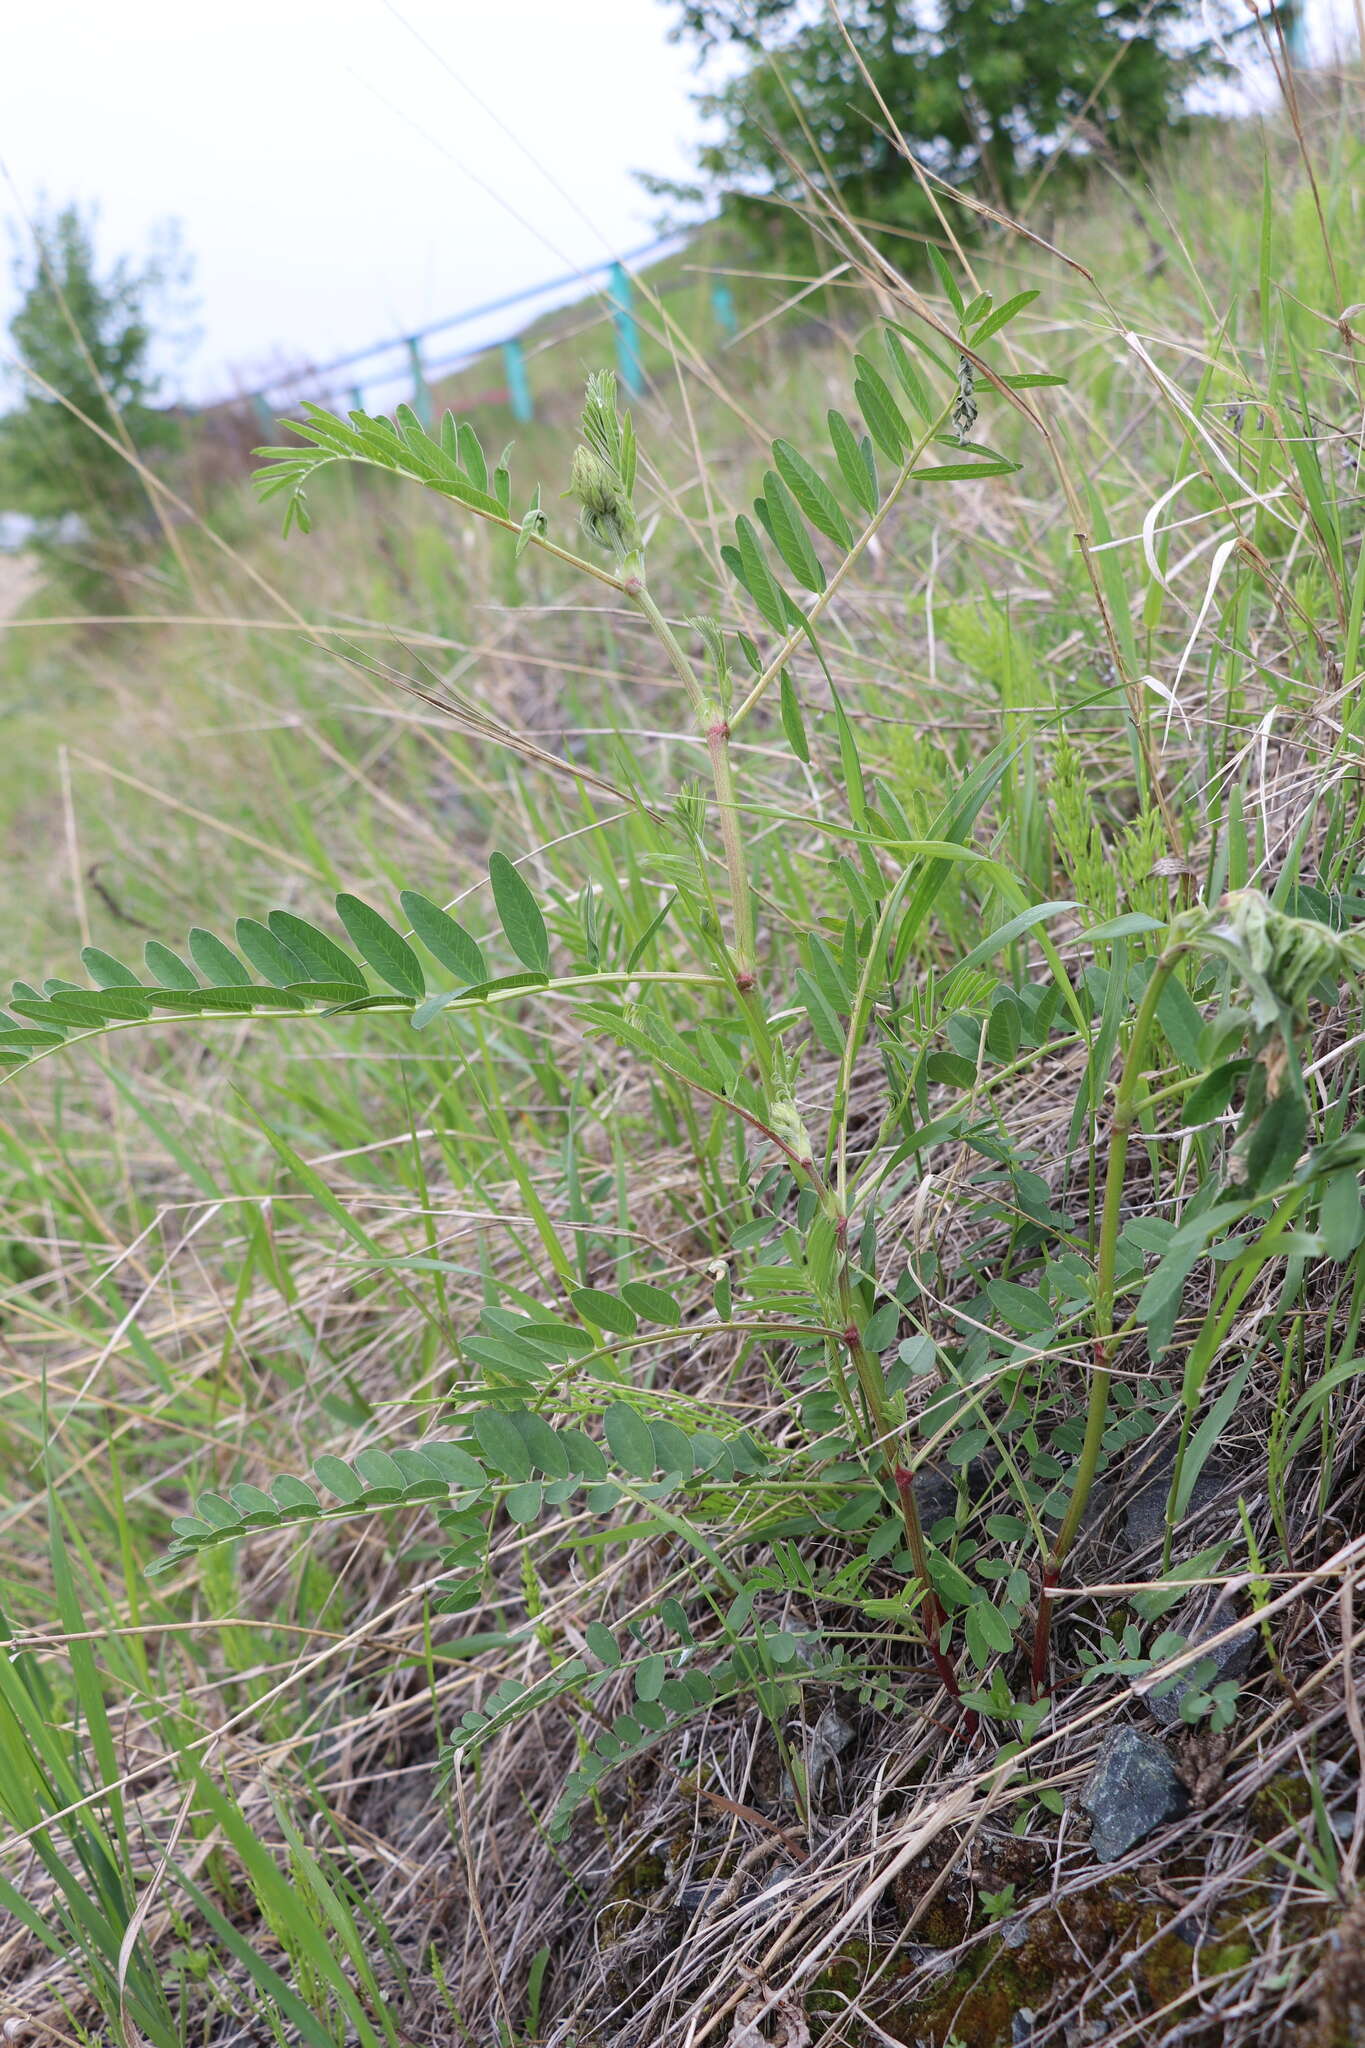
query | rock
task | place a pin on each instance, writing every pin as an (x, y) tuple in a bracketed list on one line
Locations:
[(1205, 1613), (936, 1490), (1145, 1523), (1098, 1503), (1021, 2027), (1132, 1791), (706, 1896)]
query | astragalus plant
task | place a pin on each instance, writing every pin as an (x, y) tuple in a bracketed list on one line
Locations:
[(933, 1313), (717, 1032)]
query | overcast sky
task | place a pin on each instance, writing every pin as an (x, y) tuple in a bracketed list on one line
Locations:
[(337, 181), (335, 174)]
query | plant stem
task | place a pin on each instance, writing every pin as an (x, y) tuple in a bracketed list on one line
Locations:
[(716, 732), (722, 774), (716, 728), (1127, 1102), (869, 1375)]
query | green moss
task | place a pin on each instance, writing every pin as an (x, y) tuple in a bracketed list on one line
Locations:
[(1279, 1801), (1081, 1943)]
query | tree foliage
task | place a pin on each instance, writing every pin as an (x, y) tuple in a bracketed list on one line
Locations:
[(85, 338), (985, 92)]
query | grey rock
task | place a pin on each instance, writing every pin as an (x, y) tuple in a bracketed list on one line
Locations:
[(1098, 1503), (936, 1489), (1145, 1523), (1132, 1791), (705, 1896), (1205, 1613), (1021, 2027)]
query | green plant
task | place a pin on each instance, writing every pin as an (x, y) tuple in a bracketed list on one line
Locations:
[(722, 1036), (1282, 961), (84, 345), (81, 1835), (826, 1291)]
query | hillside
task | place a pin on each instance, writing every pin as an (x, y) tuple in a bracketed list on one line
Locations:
[(867, 1227)]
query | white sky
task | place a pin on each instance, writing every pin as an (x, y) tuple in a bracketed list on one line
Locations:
[(335, 180)]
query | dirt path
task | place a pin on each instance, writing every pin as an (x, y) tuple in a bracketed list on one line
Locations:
[(17, 580)]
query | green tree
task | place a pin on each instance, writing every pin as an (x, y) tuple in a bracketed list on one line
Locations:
[(88, 340), (985, 92)]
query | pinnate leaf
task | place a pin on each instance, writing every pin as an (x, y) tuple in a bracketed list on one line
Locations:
[(381, 946), (445, 940), (632, 1444), (519, 915), (322, 958), (217, 963), (105, 971)]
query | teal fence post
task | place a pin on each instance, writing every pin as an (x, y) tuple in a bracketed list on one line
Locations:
[(265, 413), (628, 364), (518, 387), (421, 395), (723, 306), (1296, 30), (357, 399)]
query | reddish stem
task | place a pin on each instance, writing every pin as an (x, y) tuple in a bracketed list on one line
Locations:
[(931, 1610), (1042, 1632)]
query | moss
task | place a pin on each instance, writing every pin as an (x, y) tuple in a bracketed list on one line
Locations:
[(1166, 1969), (841, 1979), (945, 1922), (1279, 1801), (1068, 1949)]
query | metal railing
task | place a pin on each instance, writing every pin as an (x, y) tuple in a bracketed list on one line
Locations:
[(405, 360)]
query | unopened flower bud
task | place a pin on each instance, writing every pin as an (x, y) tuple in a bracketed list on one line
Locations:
[(606, 512), (786, 1126), (592, 483)]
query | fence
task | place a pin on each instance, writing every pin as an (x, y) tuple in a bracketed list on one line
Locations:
[(405, 361)]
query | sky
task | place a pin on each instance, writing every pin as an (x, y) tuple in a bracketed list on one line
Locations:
[(348, 170), (338, 167)]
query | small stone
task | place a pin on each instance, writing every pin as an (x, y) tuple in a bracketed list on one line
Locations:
[(1205, 1613), (1132, 1791), (1145, 1523), (704, 1897), (936, 1490), (1021, 2027)]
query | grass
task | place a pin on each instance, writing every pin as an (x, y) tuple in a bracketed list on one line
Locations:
[(432, 1769)]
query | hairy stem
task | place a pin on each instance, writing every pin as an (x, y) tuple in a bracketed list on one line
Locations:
[(717, 735)]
